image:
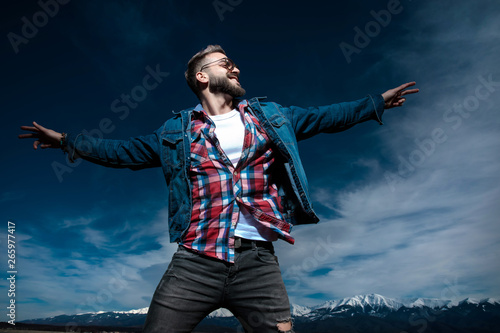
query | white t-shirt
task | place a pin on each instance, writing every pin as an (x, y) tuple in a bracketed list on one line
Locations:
[(230, 131)]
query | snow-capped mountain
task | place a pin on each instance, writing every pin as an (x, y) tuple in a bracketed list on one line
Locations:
[(136, 311), (299, 311), (428, 302), (365, 308), (376, 305), (373, 300), (220, 313)]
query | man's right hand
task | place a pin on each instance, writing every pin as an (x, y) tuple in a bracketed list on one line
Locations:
[(45, 138)]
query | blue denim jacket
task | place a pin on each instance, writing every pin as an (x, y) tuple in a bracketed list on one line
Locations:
[(169, 148)]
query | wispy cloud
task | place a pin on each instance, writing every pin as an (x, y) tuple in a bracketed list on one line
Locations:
[(431, 230), (81, 221), (92, 282)]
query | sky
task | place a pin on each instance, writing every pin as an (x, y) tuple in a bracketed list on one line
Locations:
[(408, 208)]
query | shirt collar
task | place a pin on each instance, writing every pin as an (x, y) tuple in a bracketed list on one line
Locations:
[(241, 104)]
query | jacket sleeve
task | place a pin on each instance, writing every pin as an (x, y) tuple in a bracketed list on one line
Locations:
[(308, 122), (135, 153)]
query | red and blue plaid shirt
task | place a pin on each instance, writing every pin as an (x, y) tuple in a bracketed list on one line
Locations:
[(219, 188)]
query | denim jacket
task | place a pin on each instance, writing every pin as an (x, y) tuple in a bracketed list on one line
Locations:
[(169, 148)]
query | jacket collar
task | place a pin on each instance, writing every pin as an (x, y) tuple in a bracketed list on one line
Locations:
[(199, 107)]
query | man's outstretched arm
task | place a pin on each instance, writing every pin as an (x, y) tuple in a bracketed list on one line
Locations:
[(135, 153), (332, 118)]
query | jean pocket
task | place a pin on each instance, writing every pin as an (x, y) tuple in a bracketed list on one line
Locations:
[(183, 252), (266, 256)]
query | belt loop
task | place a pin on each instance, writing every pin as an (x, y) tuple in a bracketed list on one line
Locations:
[(237, 242), (254, 245)]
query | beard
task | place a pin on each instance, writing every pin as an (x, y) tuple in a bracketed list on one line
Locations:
[(222, 84)]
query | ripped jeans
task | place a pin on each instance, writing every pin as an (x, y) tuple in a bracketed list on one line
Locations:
[(193, 286)]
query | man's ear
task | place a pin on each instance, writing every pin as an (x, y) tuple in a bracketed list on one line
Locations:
[(202, 77)]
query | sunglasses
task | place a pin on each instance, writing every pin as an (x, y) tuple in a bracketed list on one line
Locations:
[(224, 62)]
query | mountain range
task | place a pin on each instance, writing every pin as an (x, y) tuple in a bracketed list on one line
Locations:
[(362, 313)]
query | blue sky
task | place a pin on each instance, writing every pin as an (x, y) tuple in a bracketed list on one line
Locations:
[(408, 209)]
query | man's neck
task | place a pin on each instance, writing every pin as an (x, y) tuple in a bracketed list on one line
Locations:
[(216, 104)]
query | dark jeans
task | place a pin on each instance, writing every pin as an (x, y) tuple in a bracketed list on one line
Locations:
[(193, 286)]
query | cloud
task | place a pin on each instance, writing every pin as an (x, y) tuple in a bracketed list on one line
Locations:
[(81, 221), (113, 281), (424, 223), (436, 235), (432, 231)]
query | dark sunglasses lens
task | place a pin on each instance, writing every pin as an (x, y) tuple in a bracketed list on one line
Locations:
[(230, 64)]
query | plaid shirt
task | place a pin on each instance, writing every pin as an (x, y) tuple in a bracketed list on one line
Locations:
[(219, 188)]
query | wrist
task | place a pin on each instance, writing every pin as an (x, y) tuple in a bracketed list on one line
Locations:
[(62, 141)]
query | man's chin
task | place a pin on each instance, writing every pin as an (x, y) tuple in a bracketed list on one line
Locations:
[(238, 89), (233, 89), (240, 92), (237, 85)]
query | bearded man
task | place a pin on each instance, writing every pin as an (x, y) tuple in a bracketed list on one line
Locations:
[(236, 184)]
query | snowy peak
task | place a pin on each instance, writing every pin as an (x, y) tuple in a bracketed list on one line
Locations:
[(372, 305), (298, 310), (137, 311), (469, 300), (220, 313), (378, 305), (475, 301), (432, 303), (491, 301), (373, 301)]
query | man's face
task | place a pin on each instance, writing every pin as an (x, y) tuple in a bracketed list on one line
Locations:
[(222, 79)]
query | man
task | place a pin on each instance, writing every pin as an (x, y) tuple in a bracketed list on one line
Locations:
[(236, 184)]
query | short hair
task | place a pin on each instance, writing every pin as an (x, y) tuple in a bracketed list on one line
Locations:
[(195, 64)]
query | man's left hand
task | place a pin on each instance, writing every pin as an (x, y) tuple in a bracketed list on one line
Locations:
[(394, 97)]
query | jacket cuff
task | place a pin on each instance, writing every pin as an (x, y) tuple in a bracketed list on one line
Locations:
[(70, 148), (378, 106)]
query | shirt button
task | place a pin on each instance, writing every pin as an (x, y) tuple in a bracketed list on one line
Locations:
[(236, 173)]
